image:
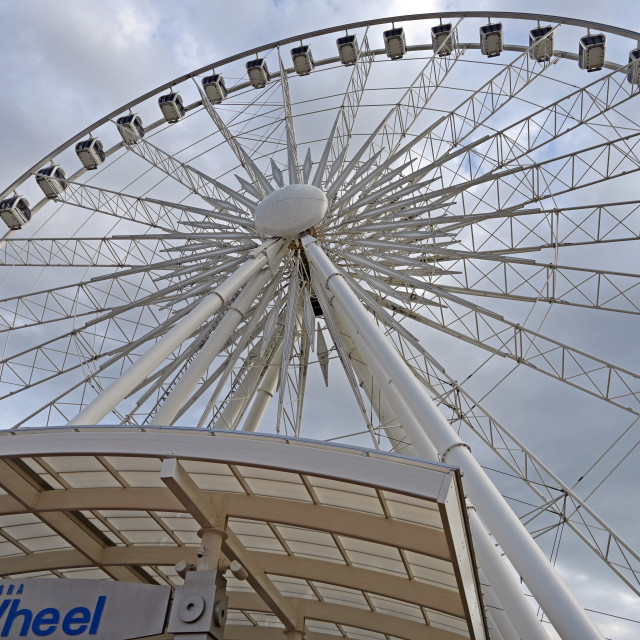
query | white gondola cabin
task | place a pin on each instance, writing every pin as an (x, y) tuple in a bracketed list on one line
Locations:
[(130, 128), (215, 88), (15, 212), (491, 39), (302, 60), (171, 107), (348, 50), (395, 43), (51, 180), (442, 38), (591, 52), (91, 153), (633, 74), (541, 43), (258, 73)]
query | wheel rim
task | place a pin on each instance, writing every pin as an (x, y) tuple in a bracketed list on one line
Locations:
[(546, 166)]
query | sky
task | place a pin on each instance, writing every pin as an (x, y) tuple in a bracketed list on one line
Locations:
[(66, 64)]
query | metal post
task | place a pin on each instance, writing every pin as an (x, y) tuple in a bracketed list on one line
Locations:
[(494, 632), (119, 388), (265, 392), (167, 412), (209, 551), (561, 607), (238, 404), (504, 583), (496, 613), (522, 615), (386, 416), (419, 439), (199, 609)]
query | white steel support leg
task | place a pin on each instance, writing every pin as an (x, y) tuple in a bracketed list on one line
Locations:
[(494, 632), (502, 626), (265, 392), (237, 406), (411, 424), (386, 416), (504, 582), (519, 611), (267, 254), (167, 412), (561, 607)]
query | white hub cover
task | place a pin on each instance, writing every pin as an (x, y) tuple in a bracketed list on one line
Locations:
[(290, 210)]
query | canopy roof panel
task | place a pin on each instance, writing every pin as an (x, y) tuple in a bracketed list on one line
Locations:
[(360, 543)]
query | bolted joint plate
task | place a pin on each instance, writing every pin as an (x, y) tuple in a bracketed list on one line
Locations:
[(200, 605)]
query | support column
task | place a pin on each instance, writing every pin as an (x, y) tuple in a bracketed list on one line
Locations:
[(411, 424), (209, 551), (501, 624), (167, 412), (199, 609), (560, 605), (267, 254), (387, 417), (265, 392), (504, 583), (250, 385)]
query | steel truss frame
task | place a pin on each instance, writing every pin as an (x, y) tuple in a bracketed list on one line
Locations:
[(417, 223)]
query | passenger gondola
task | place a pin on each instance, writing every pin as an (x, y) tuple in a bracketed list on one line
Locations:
[(302, 60), (51, 180), (258, 73), (591, 52), (90, 153), (442, 39), (395, 43), (130, 128), (15, 212), (348, 50), (491, 39), (541, 43), (171, 107), (215, 88)]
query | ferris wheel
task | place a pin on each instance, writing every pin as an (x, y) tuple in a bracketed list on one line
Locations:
[(393, 232)]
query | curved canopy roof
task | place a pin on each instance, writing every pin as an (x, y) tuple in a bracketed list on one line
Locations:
[(358, 543)]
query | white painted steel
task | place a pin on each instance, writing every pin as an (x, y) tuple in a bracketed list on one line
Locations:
[(393, 395), (386, 416), (108, 399), (550, 591), (371, 246), (502, 626), (290, 210), (237, 404), (168, 410), (503, 582), (265, 392), (209, 552)]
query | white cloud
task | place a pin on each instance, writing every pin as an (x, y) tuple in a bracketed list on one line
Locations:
[(65, 64)]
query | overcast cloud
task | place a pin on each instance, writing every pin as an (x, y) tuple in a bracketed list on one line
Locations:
[(65, 64)]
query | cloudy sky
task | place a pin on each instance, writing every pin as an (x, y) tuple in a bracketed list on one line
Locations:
[(66, 64)]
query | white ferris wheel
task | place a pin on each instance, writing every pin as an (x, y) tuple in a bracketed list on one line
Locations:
[(396, 234)]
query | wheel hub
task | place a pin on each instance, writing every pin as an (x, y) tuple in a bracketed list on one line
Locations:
[(290, 210)]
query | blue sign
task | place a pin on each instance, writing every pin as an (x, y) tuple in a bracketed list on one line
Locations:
[(59, 609), (75, 622)]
